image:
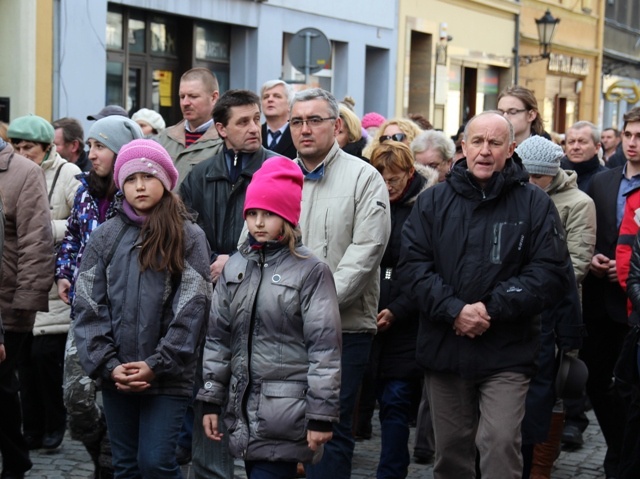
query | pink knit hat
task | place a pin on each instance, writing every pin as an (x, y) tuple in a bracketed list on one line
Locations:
[(372, 119), (145, 156), (276, 187)]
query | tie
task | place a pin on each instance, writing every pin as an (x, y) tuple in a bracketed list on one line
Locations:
[(274, 138)]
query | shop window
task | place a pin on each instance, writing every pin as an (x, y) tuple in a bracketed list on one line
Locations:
[(163, 36), (136, 35), (114, 30), (115, 80)]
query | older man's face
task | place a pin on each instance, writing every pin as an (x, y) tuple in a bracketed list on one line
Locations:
[(487, 146), (579, 144)]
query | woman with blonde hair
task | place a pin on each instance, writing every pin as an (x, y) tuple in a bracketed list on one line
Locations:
[(396, 129), (350, 137)]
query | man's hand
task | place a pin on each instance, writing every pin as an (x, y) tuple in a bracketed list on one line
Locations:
[(315, 439), (472, 321), (64, 286), (385, 319), (3, 353), (599, 265), (612, 272), (217, 265), (133, 377), (210, 424)]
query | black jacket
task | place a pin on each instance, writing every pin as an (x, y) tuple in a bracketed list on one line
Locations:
[(504, 246), (208, 191), (395, 348), (602, 298), (585, 170), (285, 146)]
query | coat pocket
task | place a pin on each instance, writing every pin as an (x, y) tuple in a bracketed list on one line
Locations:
[(281, 411)]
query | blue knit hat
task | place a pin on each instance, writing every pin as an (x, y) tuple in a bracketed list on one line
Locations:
[(540, 156), (114, 132)]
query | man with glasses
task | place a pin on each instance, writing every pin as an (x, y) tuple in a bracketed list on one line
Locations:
[(345, 222)]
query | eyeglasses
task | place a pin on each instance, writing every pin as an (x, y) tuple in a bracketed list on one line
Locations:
[(394, 137), (393, 182), (511, 111), (313, 122)]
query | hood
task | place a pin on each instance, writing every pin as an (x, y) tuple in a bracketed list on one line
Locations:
[(564, 180)]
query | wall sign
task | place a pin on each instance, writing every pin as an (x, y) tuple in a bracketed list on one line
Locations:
[(566, 64)]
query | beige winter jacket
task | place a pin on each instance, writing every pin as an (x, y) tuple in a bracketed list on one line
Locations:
[(578, 215), (62, 194), (345, 221)]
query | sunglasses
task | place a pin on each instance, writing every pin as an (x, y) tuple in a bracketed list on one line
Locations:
[(394, 137)]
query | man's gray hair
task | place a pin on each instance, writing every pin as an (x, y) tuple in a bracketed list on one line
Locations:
[(268, 85), (318, 94), (595, 131), (434, 140), (512, 136)]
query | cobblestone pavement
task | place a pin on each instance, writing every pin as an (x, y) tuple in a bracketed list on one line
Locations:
[(72, 462)]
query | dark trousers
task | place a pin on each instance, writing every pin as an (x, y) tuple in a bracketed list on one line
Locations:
[(270, 470), (15, 454), (338, 453), (600, 351), (41, 372), (629, 465)]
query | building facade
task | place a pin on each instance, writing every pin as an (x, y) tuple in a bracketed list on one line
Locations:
[(132, 52), (621, 61)]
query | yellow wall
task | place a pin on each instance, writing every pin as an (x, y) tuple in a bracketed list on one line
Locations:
[(44, 59)]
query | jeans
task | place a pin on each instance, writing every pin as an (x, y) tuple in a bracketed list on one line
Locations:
[(270, 470), (395, 397), (338, 453), (143, 429), (15, 454)]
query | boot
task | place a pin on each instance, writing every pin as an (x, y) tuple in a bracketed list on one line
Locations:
[(545, 454)]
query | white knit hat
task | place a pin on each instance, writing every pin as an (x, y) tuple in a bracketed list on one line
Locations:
[(540, 156), (151, 118)]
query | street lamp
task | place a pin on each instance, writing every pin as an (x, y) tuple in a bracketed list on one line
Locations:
[(546, 28)]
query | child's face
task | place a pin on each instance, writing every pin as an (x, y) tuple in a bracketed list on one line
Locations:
[(101, 157), (264, 225), (143, 192)]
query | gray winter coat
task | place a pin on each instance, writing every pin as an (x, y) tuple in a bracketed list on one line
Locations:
[(124, 315), (273, 351)]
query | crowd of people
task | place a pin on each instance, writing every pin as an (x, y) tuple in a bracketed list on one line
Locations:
[(240, 288)]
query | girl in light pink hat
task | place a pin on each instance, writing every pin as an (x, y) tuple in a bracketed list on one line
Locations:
[(142, 299), (272, 354)]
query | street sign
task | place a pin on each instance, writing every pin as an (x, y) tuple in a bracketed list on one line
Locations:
[(309, 51)]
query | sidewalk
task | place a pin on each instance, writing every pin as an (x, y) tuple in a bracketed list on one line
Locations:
[(71, 461)]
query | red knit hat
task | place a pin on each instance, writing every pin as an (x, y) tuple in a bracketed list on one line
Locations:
[(276, 187)]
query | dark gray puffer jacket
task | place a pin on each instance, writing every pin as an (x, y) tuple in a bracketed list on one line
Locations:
[(273, 351)]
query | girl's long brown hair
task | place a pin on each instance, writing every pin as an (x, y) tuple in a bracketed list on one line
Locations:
[(163, 236), (102, 186)]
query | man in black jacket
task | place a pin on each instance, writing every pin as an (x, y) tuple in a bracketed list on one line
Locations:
[(276, 96), (582, 144), (484, 254), (215, 190)]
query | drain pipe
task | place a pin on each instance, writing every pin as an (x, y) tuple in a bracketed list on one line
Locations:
[(516, 51)]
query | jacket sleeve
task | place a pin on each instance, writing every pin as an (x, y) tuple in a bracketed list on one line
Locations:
[(216, 357), (633, 280), (541, 281), (371, 230), (70, 246), (35, 245), (191, 304), (92, 325), (323, 338), (581, 236), (69, 185), (416, 268)]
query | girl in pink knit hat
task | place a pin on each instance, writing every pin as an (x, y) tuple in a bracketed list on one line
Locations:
[(142, 299), (272, 354)]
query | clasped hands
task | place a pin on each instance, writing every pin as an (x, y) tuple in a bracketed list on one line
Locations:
[(472, 321), (132, 377)]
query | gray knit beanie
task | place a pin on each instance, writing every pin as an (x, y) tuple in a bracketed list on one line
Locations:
[(540, 156), (115, 131)]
